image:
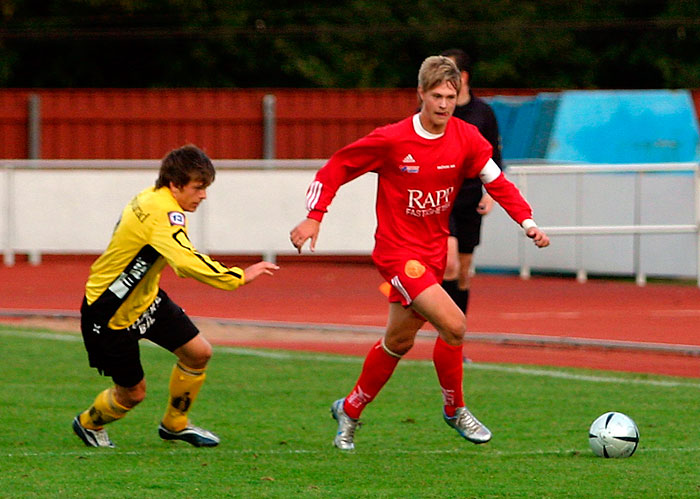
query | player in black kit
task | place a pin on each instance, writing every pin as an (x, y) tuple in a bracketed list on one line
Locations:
[(472, 202)]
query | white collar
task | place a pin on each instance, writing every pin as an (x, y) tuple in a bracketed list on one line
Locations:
[(422, 132)]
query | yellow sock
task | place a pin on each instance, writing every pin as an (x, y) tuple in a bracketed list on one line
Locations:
[(185, 383), (103, 410)]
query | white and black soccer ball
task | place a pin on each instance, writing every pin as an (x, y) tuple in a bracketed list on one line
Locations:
[(613, 434)]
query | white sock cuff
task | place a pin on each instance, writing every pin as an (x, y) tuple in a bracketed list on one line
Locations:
[(393, 354)]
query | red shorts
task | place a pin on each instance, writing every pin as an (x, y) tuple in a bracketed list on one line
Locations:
[(408, 275)]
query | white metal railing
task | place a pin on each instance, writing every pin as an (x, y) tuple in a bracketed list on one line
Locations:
[(154, 164), (9, 166), (521, 174)]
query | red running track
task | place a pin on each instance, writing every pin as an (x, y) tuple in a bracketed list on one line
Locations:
[(317, 291)]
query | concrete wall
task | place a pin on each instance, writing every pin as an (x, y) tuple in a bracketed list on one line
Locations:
[(252, 211), (68, 211)]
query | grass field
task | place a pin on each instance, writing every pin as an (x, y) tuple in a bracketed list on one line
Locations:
[(271, 410)]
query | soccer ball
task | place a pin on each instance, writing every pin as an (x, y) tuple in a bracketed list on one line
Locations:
[(613, 435)]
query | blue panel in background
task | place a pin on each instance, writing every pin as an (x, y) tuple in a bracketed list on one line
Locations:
[(652, 126), (525, 124)]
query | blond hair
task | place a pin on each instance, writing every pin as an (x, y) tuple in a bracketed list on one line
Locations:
[(437, 69)]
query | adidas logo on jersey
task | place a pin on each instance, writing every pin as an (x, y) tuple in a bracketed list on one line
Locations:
[(408, 159)]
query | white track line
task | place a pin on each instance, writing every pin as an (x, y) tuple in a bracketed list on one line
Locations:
[(498, 338), (482, 453), (341, 359)]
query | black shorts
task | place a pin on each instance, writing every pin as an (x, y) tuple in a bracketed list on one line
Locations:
[(115, 352), (465, 221)]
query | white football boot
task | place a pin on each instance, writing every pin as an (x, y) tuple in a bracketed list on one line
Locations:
[(91, 438), (194, 435), (468, 426), (344, 439)]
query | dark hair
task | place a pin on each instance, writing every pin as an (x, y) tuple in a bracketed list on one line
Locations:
[(461, 58), (180, 166)]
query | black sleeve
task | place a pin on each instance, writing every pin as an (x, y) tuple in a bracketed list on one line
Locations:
[(490, 133)]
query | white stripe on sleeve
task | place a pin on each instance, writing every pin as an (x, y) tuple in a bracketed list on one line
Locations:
[(313, 194)]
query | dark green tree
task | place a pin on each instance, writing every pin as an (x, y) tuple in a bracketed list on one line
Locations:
[(346, 44)]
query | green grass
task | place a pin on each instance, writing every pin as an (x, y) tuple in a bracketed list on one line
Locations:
[(271, 410)]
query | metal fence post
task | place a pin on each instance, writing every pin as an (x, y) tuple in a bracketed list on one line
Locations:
[(269, 126), (640, 276), (34, 147), (34, 126), (269, 145), (581, 274)]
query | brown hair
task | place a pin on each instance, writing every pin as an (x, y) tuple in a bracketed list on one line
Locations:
[(180, 166), (437, 69)]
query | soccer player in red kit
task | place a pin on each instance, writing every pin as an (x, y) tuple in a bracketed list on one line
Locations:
[(421, 162)]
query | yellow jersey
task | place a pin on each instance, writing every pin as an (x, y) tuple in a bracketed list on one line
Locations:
[(151, 233)]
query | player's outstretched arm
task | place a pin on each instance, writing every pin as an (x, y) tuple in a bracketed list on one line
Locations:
[(258, 269), (540, 239), (307, 228)]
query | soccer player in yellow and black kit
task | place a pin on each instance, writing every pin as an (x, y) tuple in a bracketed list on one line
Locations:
[(123, 302)]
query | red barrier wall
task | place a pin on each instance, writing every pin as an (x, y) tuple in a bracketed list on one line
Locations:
[(138, 124), (13, 124), (228, 124)]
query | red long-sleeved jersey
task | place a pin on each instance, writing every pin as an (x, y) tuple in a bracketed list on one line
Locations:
[(419, 177)]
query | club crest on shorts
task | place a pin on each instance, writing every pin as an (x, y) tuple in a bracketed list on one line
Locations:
[(414, 269), (176, 218)]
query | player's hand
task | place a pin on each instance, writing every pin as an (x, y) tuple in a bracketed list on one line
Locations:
[(307, 228), (258, 269), (485, 205), (539, 238)]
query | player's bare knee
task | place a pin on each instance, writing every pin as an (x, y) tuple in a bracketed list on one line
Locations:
[(136, 398), (202, 356), (465, 278), (131, 396), (453, 333), (195, 357), (451, 271), (398, 347)]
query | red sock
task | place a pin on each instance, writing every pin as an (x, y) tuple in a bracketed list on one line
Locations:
[(376, 371), (448, 364)]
